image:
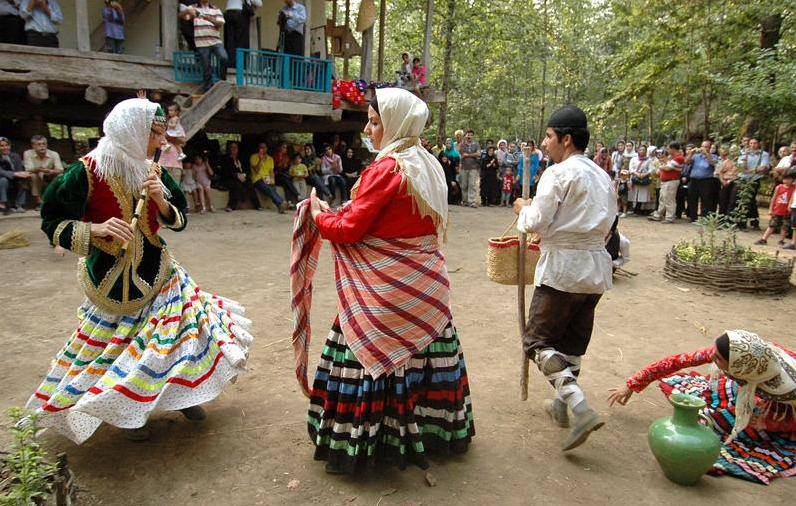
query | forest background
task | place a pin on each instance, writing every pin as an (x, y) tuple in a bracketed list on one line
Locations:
[(646, 70)]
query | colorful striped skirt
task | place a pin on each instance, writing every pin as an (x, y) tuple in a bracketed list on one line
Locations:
[(356, 421), (178, 352), (754, 455)]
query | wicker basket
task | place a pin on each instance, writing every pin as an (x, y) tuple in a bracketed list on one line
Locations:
[(501, 260), (730, 277)]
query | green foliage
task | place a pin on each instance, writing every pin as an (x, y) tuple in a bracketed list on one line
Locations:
[(718, 245), (642, 69), (27, 464)]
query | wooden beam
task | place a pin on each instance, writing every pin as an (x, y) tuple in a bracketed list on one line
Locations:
[(307, 25), (382, 31), (195, 118), (83, 33), (73, 68), (307, 97), (279, 107), (168, 28), (255, 125), (427, 36)]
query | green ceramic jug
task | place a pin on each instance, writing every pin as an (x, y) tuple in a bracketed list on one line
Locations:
[(684, 448)]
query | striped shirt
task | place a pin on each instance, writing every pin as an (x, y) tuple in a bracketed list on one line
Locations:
[(205, 33)]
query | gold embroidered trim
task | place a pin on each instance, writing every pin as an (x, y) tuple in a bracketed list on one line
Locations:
[(81, 237), (177, 219), (58, 230), (99, 295)]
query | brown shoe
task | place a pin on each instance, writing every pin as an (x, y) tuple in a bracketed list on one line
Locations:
[(557, 411), (584, 426)]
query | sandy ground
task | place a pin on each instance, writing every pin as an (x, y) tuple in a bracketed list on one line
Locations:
[(255, 442)]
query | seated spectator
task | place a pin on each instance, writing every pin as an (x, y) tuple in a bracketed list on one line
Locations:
[(404, 73), (12, 26), (299, 173), (332, 169), (113, 15), (419, 81), (351, 169), (235, 177), (42, 164), (41, 20), (315, 178), (12, 178), (207, 23), (281, 174), (262, 174)]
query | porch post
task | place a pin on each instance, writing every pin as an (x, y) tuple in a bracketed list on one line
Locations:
[(83, 33), (308, 28), (168, 27), (366, 70), (382, 31)]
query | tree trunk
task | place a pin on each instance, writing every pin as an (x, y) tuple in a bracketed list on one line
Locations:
[(447, 30), (540, 135)]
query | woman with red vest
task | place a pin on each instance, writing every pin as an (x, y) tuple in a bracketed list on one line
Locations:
[(147, 338)]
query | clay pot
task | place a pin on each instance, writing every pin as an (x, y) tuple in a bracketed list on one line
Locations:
[(684, 448)]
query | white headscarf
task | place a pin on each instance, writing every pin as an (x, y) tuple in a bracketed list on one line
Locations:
[(404, 116), (121, 153), (762, 365)]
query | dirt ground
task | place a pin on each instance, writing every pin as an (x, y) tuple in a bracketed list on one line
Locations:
[(255, 442)]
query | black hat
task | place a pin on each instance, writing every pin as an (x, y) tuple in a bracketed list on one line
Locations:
[(568, 116)]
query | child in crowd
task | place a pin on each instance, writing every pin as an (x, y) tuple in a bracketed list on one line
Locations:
[(202, 174), (299, 173), (622, 191), (508, 188), (188, 184), (175, 132), (779, 210), (419, 80), (669, 174)]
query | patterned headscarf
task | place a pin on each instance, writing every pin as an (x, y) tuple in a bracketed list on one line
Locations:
[(758, 364), (121, 153)]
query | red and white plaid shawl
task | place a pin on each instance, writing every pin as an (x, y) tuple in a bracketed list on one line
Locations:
[(393, 295)]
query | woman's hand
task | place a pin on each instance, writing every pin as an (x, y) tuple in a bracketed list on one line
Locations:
[(154, 189), (619, 395), (316, 205), (115, 228)]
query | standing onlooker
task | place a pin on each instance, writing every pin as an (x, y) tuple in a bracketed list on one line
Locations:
[(639, 194), (12, 26), (42, 164), (291, 24), (470, 152), (235, 176), (332, 169), (185, 22), (202, 172), (507, 188), (670, 182), (702, 185), (262, 170), (454, 191), (602, 160), (727, 173), (113, 16), (489, 178), (299, 173), (12, 176), (786, 160), (616, 158), (237, 19), (779, 210), (536, 157), (41, 18), (207, 23), (352, 166), (753, 165)]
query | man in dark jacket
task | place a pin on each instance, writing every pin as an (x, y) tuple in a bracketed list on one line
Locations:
[(235, 177), (12, 178)]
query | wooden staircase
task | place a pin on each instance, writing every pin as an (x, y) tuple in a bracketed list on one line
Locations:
[(205, 107)]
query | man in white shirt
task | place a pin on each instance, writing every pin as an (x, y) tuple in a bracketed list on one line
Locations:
[(572, 214)]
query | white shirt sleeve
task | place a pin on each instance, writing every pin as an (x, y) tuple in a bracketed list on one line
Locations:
[(539, 215)]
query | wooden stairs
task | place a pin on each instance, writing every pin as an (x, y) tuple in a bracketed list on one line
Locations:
[(205, 106)]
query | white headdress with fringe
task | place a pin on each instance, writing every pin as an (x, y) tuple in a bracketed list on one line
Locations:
[(403, 116), (121, 153)]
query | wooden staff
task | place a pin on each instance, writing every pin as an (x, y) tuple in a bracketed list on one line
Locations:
[(525, 363), (139, 208)]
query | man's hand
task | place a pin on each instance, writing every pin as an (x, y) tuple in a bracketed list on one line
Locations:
[(22, 175), (141, 94), (519, 204), (114, 228), (241, 177), (154, 189)]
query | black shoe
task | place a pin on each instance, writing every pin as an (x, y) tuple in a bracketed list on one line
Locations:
[(194, 413)]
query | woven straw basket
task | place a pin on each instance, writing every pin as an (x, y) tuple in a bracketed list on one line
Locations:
[(501, 259)]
